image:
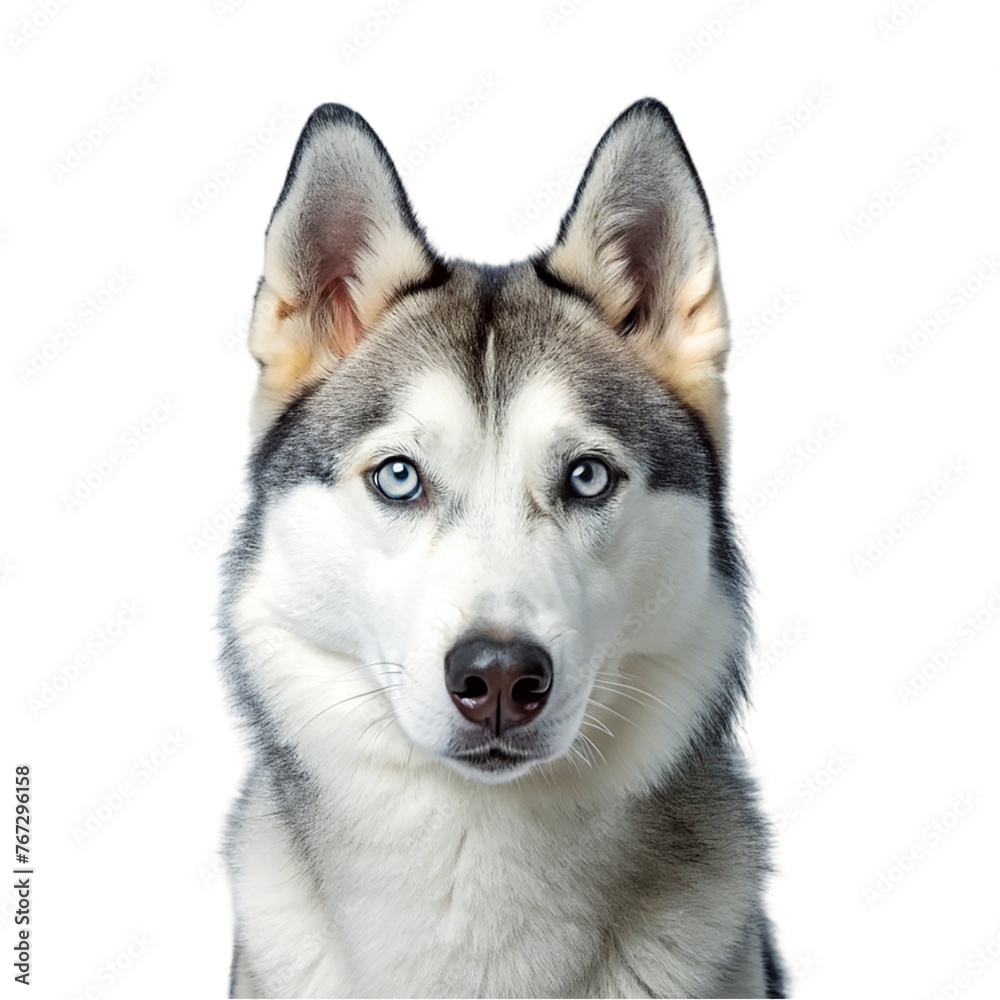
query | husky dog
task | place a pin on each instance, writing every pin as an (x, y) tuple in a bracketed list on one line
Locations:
[(485, 618)]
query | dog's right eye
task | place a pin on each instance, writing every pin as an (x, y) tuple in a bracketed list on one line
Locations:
[(398, 479)]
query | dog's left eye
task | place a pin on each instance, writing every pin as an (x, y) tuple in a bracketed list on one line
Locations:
[(588, 478), (398, 479)]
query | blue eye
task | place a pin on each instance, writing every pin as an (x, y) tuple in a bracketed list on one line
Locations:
[(398, 479), (588, 478)]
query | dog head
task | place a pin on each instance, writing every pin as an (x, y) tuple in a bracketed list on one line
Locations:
[(487, 519)]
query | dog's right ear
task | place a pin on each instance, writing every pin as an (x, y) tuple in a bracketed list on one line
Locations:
[(341, 242)]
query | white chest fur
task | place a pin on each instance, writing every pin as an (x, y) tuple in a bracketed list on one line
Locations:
[(421, 894)]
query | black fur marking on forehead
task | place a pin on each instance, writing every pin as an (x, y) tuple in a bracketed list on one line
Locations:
[(285, 455), (467, 341), (306, 440), (553, 281), (491, 281), (674, 445), (439, 275)]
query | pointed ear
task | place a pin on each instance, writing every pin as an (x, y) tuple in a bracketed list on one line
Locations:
[(341, 242), (638, 242)]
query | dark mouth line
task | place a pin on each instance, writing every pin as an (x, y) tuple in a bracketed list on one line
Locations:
[(491, 755), (487, 751)]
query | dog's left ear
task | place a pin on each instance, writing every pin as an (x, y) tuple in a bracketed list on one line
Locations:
[(341, 243), (638, 242)]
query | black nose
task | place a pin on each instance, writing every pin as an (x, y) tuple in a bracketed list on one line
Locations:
[(498, 684)]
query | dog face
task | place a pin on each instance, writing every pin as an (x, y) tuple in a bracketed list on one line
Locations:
[(487, 521)]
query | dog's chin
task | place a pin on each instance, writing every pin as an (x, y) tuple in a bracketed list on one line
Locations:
[(493, 761), (491, 768)]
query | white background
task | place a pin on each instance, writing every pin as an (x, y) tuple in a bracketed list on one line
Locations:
[(856, 764)]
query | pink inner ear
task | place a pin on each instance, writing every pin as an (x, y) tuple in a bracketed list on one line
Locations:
[(644, 243), (346, 326), (337, 243)]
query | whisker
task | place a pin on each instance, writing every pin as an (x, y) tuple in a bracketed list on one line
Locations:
[(579, 754), (361, 666), (589, 720), (603, 686), (419, 423), (388, 724), (374, 721), (398, 668), (622, 694), (598, 704), (385, 689), (591, 743), (565, 631), (343, 701), (631, 687)]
